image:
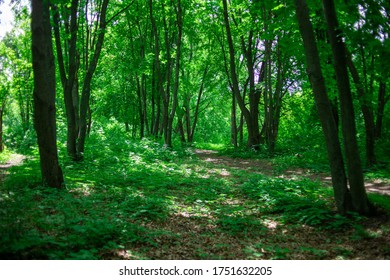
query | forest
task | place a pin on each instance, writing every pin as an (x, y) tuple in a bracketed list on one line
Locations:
[(195, 129)]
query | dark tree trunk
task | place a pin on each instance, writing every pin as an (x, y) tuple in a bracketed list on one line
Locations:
[(179, 20), (45, 93), (180, 126), (367, 111), (197, 107), (382, 100), (360, 201), (144, 104), (233, 123), (251, 118), (1, 125), (161, 114), (140, 110), (324, 107), (69, 83)]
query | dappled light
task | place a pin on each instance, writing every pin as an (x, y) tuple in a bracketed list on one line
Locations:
[(155, 204), (195, 130)]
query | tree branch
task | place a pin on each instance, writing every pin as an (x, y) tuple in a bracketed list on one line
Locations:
[(118, 13)]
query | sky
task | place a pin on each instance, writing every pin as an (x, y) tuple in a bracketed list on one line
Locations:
[(6, 18)]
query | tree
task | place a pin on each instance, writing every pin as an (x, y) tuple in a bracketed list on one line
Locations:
[(4, 92), (16, 61), (69, 76), (251, 115), (45, 93), (360, 201), (86, 57), (92, 50), (365, 30), (4, 86), (324, 108)]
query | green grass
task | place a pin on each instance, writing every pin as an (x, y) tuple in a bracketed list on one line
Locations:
[(139, 200), (211, 146)]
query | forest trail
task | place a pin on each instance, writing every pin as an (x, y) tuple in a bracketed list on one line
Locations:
[(263, 166), (14, 160)]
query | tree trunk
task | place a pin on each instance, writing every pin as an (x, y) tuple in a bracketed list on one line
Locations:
[(367, 111), (179, 19), (86, 90), (324, 107), (197, 107), (233, 123), (161, 114), (180, 126), (45, 93), (1, 125), (251, 120), (355, 173), (382, 100), (140, 110), (144, 104), (69, 83)]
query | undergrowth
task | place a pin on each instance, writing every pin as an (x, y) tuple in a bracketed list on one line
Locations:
[(141, 200)]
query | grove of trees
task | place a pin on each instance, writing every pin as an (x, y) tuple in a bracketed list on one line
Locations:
[(265, 76)]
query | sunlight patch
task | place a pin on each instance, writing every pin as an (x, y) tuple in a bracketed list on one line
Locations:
[(83, 189), (224, 172), (270, 224)]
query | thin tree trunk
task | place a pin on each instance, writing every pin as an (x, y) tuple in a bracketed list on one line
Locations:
[(367, 111), (233, 122), (179, 18), (1, 124), (144, 104), (140, 110), (253, 127), (68, 83), (45, 93), (196, 114), (158, 125), (91, 67), (382, 100)]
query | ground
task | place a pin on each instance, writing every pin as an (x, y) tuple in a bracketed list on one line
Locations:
[(263, 166), (14, 160), (207, 207)]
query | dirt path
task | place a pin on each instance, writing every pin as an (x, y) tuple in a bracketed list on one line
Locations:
[(263, 166), (13, 161)]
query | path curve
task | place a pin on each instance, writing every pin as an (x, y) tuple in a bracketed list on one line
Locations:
[(263, 166), (14, 160)]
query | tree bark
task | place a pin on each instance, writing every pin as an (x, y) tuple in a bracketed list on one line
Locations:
[(197, 107), (360, 201), (250, 119), (158, 79), (179, 20), (324, 107), (368, 114), (45, 93), (1, 124), (382, 100), (86, 90), (69, 82)]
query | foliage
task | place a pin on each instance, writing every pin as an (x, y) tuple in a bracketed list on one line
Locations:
[(134, 197), (297, 201), (5, 156), (139, 197)]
